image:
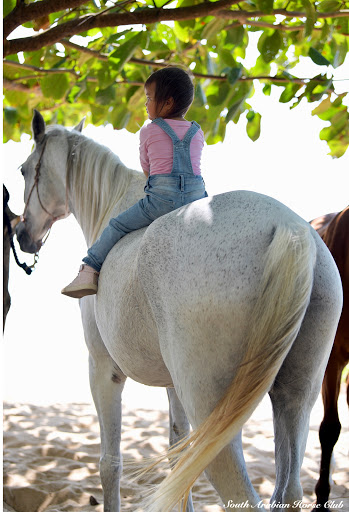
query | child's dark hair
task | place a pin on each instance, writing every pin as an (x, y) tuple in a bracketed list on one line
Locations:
[(176, 83)]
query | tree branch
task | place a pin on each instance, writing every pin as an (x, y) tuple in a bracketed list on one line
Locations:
[(237, 15), (23, 12), (14, 64), (56, 71), (280, 26), (146, 16), (12, 85), (163, 64), (98, 20), (221, 78), (104, 56)]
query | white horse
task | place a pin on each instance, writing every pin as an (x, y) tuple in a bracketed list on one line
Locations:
[(220, 301)]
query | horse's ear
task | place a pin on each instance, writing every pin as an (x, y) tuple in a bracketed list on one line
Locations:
[(38, 126), (80, 126)]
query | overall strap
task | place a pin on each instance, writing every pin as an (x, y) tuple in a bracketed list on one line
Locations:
[(195, 127), (167, 129)]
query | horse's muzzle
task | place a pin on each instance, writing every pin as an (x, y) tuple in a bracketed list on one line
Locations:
[(26, 243)]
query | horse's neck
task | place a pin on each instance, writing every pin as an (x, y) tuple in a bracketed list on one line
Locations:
[(134, 193), (101, 187)]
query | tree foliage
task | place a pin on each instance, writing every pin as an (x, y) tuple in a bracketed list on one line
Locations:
[(92, 58)]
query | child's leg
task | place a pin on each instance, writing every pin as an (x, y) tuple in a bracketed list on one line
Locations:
[(134, 218)]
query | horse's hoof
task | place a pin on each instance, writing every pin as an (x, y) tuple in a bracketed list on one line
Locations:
[(93, 501)]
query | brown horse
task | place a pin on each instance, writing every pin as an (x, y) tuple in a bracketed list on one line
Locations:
[(9, 219), (334, 230)]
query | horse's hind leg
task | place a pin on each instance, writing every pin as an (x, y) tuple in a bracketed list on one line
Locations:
[(179, 428), (291, 413), (330, 426), (228, 475), (227, 472), (107, 383)]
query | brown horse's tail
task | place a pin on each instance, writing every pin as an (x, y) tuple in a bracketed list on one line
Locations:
[(277, 317)]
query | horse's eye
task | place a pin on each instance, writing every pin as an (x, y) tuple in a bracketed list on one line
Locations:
[(22, 170)]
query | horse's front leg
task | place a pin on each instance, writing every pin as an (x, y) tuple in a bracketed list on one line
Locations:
[(107, 383), (106, 387), (179, 428)]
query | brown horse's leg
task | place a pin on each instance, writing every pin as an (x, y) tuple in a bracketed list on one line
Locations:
[(330, 426)]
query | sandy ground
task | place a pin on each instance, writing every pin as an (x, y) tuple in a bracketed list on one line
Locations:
[(51, 457)]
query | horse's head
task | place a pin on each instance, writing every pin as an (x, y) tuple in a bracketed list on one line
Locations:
[(44, 174)]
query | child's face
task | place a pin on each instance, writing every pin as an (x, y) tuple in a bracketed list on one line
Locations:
[(150, 104)]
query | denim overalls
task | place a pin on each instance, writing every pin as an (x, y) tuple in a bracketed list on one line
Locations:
[(164, 193)]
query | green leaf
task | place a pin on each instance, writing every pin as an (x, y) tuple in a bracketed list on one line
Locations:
[(106, 96), (237, 102), (233, 75), (265, 5), (250, 115), (55, 86), (183, 30), (235, 36), (289, 92), (8, 6), (316, 57), (253, 127), (59, 63), (340, 120), (325, 31), (166, 35), (338, 146), (120, 118), (324, 106), (270, 46), (340, 53), (311, 16), (327, 110), (121, 55), (115, 37), (11, 115), (220, 98), (227, 57), (267, 89), (200, 97), (98, 114), (16, 98), (233, 110), (212, 28), (329, 6), (136, 99)]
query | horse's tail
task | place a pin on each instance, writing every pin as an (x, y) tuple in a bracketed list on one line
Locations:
[(285, 292)]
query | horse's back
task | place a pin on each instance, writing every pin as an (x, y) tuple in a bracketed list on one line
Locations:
[(213, 248)]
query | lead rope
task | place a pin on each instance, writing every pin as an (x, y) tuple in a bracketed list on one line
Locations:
[(27, 269)]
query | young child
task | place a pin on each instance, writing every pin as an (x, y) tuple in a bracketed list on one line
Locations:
[(170, 153)]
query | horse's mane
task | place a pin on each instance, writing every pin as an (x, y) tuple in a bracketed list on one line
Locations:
[(96, 181)]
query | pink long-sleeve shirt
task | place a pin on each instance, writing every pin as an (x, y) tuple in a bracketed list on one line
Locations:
[(156, 148)]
